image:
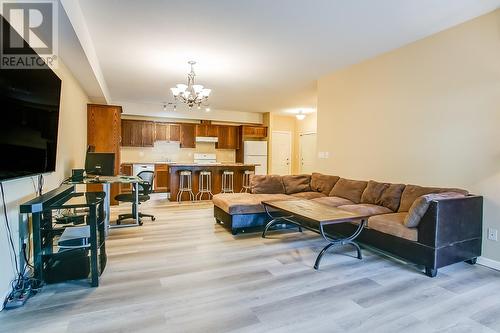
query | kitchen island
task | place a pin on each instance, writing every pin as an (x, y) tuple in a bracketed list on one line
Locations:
[(215, 168)]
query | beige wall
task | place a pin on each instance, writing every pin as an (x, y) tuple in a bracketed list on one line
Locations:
[(427, 113), (71, 147), (171, 151), (308, 125), (277, 122)]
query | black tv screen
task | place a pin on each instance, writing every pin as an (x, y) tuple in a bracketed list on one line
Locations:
[(29, 104)]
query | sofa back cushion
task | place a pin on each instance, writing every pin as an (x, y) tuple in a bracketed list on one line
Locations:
[(323, 183), (349, 189), (420, 205), (412, 192), (296, 183), (383, 194), (266, 184)]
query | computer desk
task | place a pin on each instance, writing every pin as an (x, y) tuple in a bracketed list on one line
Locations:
[(106, 182)]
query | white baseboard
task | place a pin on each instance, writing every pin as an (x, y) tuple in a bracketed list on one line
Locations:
[(489, 263)]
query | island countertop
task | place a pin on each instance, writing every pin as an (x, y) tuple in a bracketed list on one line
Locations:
[(216, 170), (221, 164)]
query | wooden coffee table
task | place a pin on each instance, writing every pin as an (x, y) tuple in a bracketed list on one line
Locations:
[(315, 216)]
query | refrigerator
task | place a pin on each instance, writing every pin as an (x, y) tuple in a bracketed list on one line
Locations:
[(256, 153)]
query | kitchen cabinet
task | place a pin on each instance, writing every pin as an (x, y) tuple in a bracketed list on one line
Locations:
[(207, 130), (188, 132), (137, 133), (131, 133), (161, 178), (175, 132), (104, 133), (148, 139), (162, 132), (254, 131), (228, 137), (126, 169)]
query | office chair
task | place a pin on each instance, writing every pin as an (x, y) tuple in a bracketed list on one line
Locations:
[(145, 189)]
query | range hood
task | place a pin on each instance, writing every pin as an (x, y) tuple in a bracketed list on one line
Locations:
[(207, 139)]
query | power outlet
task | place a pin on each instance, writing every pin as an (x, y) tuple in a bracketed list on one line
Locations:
[(493, 234)]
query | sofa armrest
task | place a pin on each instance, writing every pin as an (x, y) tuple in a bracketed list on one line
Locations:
[(451, 220)]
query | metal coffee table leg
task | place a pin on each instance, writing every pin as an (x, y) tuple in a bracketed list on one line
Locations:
[(276, 220), (340, 241)]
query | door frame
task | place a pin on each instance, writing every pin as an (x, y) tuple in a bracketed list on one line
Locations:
[(290, 152), (300, 146)]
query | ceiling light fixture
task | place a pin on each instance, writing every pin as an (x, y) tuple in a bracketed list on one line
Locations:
[(192, 94), (300, 115)]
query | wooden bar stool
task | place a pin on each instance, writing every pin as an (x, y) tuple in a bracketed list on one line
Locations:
[(227, 181), (204, 185), (246, 181), (185, 185)]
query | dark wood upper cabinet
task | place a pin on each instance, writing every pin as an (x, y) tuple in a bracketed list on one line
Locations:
[(175, 132), (137, 133), (188, 134), (148, 131), (207, 130), (254, 131), (227, 137), (162, 132)]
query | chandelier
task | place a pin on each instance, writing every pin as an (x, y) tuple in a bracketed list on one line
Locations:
[(192, 94)]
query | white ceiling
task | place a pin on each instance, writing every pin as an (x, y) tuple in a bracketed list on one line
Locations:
[(260, 55)]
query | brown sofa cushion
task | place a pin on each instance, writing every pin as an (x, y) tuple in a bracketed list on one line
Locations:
[(245, 203), (421, 204), (392, 196), (296, 183), (412, 192), (323, 183), (349, 189), (333, 201), (373, 192), (366, 209), (266, 184), (308, 195), (383, 194), (393, 224)]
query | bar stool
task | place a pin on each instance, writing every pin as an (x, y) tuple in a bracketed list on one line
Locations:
[(185, 185), (204, 185), (246, 181), (227, 181)]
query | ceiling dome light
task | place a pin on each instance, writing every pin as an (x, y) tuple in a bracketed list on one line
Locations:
[(300, 115)]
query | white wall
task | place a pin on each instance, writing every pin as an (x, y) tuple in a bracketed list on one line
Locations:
[(427, 113), (71, 147)]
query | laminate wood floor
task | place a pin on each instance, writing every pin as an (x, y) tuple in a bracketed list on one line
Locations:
[(184, 273)]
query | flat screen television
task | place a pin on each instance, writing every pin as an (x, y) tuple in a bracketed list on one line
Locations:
[(29, 104)]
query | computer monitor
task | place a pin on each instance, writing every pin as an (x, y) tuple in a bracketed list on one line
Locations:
[(100, 164)]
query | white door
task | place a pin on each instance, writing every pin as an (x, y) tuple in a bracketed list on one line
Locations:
[(281, 153), (307, 152)]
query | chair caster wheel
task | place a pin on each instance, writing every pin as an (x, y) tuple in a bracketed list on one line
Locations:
[(118, 222), (140, 222), (472, 261), (153, 218)]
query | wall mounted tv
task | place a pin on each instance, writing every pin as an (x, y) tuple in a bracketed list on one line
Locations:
[(29, 117)]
